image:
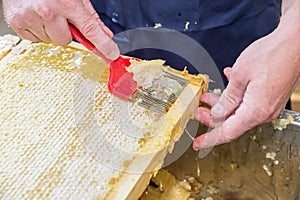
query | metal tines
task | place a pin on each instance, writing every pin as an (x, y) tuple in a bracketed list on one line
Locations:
[(149, 99)]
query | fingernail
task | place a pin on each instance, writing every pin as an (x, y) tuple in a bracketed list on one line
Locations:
[(109, 49), (197, 115), (196, 147), (197, 143), (218, 109), (113, 54)]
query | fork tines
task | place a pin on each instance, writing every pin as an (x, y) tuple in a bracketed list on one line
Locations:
[(146, 99)]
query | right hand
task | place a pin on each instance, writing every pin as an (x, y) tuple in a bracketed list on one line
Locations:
[(44, 20)]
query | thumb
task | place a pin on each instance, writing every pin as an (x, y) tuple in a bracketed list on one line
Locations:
[(88, 5), (232, 96), (90, 28), (227, 72)]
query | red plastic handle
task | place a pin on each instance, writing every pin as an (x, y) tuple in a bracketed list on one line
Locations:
[(76, 34)]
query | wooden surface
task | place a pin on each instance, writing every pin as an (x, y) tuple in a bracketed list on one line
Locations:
[(296, 98)]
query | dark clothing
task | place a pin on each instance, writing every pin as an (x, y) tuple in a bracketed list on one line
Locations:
[(224, 28)]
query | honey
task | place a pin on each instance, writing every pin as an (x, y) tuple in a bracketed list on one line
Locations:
[(198, 172), (64, 59), (21, 85), (112, 181), (142, 141), (56, 109)]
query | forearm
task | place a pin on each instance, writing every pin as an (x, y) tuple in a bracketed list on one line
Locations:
[(287, 36), (288, 4), (290, 21)]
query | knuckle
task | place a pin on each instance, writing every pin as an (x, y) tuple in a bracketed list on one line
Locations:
[(44, 12), (95, 15), (89, 28), (16, 22), (230, 98), (228, 138), (64, 42), (29, 21), (238, 76), (263, 114), (69, 5), (21, 19), (106, 44), (233, 95)]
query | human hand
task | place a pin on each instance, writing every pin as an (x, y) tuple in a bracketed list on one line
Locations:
[(260, 84), (44, 20)]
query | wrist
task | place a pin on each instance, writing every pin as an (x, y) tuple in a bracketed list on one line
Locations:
[(286, 40), (290, 20), (288, 31)]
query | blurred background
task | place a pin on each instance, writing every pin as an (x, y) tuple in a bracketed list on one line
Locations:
[(4, 29)]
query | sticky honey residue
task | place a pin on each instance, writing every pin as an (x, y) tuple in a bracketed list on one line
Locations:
[(67, 59), (112, 181), (147, 134), (168, 187), (157, 25), (281, 124), (150, 76), (144, 72), (198, 80), (7, 42), (186, 26), (94, 68), (126, 163), (142, 141), (21, 84)]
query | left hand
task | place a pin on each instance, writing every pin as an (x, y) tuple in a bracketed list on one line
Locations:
[(48, 21), (260, 84)]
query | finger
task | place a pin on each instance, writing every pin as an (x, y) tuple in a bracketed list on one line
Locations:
[(232, 96), (27, 35), (28, 25), (203, 115), (209, 98), (58, 31), (106, 29), (230, 130), (35, 24), (89, 27), (40, 33), (227, 72), (93, 13)]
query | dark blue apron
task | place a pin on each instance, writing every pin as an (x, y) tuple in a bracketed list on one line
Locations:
[(223, 27)]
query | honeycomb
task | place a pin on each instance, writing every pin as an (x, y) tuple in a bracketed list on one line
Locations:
[(63, 135), (7, 42)]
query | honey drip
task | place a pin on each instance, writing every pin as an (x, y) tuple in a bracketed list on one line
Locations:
[(198, 168), (161, 187)]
